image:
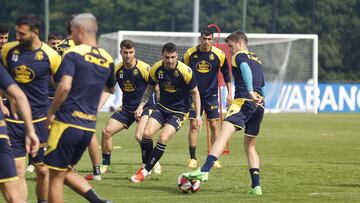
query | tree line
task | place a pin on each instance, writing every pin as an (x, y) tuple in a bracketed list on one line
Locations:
[(337, 23)]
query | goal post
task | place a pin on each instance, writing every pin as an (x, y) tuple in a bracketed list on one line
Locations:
[(289, 60)]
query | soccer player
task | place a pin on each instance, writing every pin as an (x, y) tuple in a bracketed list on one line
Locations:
[(54, 38), (31, 63), (132, 76), (176, 83), (245, 113), (72, 114), (93, 147), (8, 176), (206, 60), (4, 35)]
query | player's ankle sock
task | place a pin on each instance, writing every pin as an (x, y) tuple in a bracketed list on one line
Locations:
[(146, 148), (255, 177), (192, 150), (156, 154), (96, 170), (209, 163), (92, 197), (106, 159), (42, 201)]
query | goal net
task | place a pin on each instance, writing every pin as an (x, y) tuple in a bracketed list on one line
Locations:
[(289, 60)]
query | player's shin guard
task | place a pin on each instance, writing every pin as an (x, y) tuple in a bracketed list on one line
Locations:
[(146, 148), (156, 154)]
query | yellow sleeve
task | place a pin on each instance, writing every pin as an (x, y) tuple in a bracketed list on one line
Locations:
[(144, 69), (54, 58), (220, 54), (153, 70), (5, 52), (185, 71)]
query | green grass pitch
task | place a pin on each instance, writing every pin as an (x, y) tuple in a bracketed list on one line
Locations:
[(304, 158)]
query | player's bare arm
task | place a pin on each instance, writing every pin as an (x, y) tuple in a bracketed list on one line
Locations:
[(149, 91), (195, 95), (32, 143)]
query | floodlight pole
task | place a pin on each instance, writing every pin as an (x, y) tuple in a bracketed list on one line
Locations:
[(47, 24)]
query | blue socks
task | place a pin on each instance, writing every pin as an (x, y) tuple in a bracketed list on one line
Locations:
[(209, 163), (255, 177)]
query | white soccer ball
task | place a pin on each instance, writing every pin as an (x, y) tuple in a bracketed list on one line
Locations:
[(188, 186)]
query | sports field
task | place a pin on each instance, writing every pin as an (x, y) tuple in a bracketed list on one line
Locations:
[(304, 158)]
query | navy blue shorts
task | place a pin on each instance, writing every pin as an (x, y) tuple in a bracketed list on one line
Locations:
[(16, 132), (66, 145), (127, 117), (164, 116), (245, 115), (210, 105), (7, 166)]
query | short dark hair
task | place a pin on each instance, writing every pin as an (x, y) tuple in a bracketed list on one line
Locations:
[(237, 36), (30, 20), (3, 28), (128, 44), (169, 47), (207, 32), (68, 23), (53, 35)]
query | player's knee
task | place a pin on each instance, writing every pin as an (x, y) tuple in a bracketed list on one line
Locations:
[(147, 134), (138, 138), (106, 133), (41, 172), (193, 125), (164, 139)]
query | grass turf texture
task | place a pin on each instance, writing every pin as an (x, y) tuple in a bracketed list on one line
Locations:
[(304, 158)]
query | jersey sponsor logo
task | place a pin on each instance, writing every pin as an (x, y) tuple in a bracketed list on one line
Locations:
[(23, 74), (98, 61), (39, 56), (176, 74), (85, 116), (128, 86), (195, 56), (169, 87), (203, 67)]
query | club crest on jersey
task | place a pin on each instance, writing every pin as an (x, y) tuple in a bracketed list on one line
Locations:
[(160, 74), (203, 67), (136, 72), (176, 74), (195, 56), (211, 57), (23, 74), (39, 56)]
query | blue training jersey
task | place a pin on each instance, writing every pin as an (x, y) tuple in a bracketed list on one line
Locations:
[(91, 69), (257, 73), (205, 66), (174, 84), (133, 82), (5, 82), (32, 69)]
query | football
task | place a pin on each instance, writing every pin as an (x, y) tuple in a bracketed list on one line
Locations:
[(188, 186)]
